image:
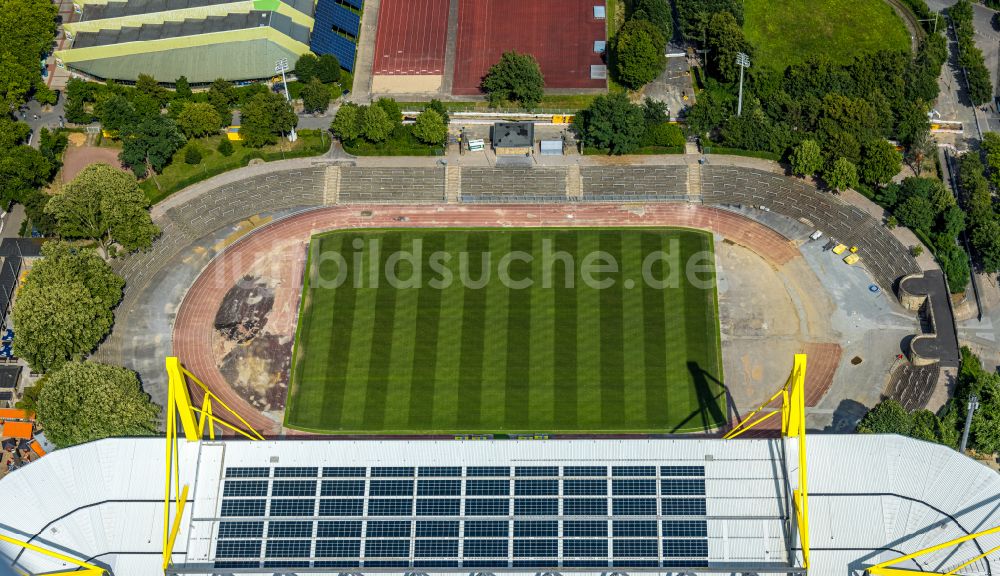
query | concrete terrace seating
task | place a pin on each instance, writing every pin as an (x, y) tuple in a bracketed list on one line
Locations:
[(184, 224), (628, 183), (512, 185), (384, 185), (912, 386), (881, 253)]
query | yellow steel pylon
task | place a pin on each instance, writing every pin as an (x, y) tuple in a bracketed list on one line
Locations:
[(181, 414), (82, 568), (793, 424), (886, 569)]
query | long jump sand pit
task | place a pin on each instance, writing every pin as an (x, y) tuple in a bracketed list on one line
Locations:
[(409, 84)]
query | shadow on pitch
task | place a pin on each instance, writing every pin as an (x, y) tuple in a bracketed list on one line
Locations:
[(708, 390)]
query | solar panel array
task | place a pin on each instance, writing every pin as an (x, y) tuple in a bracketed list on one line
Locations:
[(463, 517), (333, 21)]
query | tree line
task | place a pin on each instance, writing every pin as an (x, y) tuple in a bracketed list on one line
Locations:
[(975, 192), (381, 123), (970, 57)]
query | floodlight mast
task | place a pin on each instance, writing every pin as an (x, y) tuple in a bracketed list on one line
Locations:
[(280, 66), (743, 61)]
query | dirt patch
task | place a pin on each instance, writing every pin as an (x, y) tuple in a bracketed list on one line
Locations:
[(767, 313), (76, 158), (244, 310), (255, 327)]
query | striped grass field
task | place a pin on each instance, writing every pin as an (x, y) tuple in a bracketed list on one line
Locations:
[(371, 357)]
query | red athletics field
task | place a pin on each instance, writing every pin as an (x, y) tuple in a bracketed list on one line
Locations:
[(411, 37), (560, 35)]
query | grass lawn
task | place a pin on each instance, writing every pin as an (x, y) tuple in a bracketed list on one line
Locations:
[(497, 357), (178, 174), (787, 31)]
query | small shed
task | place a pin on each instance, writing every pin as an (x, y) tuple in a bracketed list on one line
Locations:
[(551, 147), (513, 138)]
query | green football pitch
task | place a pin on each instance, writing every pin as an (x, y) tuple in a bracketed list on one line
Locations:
[(387, 344)]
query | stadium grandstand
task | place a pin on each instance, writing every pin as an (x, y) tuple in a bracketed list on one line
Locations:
[(579, 506), (205, 39)]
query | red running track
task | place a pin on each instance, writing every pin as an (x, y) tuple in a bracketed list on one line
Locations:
[(192, 337), (411, 37), (560, 35)]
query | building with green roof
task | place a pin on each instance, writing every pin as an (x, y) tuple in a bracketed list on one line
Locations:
[(200, 39)]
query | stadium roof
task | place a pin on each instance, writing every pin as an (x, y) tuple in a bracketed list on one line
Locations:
[(277, 506), (119, 9), (192, 27)]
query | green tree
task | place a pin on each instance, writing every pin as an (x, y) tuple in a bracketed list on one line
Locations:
[(986, 240), (952, 221), (346, 124), (611, 123), (74, 107), (182, 90), (515, 78), (887, 417), (116, 113), (921, 148), (305, 67), (222, 96), (146, 84), (22, 171), (315, 96), (654, 112), (152, 142), (375, 124), (264, 117), (984, 434), (955, 265), (430, 128), (638, 53), (198, 119), (64, 308), (806, 158), (916, 213), (328, 68), (392, 110), (104, 204), (657, 12), (841, 175), (52, 144), (225, 147), (724, 39), (880, 162), (439, 107), (85, 401), (693, 15), (29, 398), (12, 133), (27, 28)]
